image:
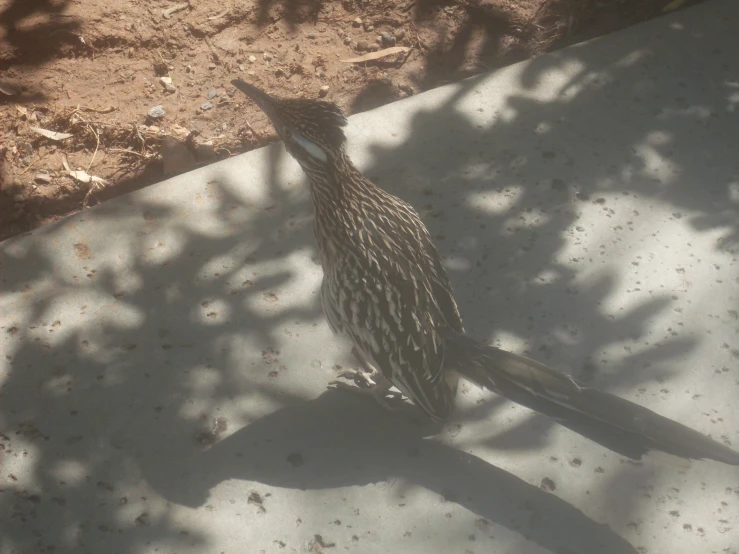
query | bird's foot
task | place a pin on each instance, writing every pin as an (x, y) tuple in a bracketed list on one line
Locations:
[(372, 384)]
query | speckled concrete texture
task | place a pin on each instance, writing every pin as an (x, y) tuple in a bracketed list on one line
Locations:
[(164, 357)]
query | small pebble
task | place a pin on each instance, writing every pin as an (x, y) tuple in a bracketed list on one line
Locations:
[(386, 39), (323, 91), (211, 66), (362, 45), (206, 106), (357, 22), (211, 94), (42, 178), (267, 56), (157, 112), (407, 89), (241, 68), (167, 84), (378, 39), (399, 34), (347, 40)]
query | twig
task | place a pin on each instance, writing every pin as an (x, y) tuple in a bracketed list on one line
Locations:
[(32, 164), (212, 50), (97, 145), (125, 151), (164, 62)]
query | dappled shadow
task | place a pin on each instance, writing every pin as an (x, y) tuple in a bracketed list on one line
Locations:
[(121, 347), (375, 94), (292, 11), (34, 31), (342, 443), (483, 40)]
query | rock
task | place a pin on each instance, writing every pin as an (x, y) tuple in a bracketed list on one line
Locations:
[(347, 40), (252, 59), (211, 66), (206, 106), (387, 39), (211, 94), (18, 197), (399, 34), (42, 178), (378, 39), (25, 148), (204, 150), (362, 45), (323, 91), (367, 25), (357, 22), (167, 84), (267, 56), (157, 112), (241, 67)]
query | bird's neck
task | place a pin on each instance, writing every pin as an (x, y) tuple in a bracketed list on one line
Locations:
[(336, 184), (339, 193)]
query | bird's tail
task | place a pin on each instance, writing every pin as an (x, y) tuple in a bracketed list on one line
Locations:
[(618, 424)]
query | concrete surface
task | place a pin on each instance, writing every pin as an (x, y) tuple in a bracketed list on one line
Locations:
[(164, 358)]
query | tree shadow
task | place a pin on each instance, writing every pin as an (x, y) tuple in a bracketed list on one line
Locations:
[(39, 41), (36, 42), (292, 11), (122, 348), (335, 442)]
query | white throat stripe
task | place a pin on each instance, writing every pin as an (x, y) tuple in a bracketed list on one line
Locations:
[(313, 149)]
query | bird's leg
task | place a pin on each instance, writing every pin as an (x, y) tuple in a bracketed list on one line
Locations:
[(370, 382)]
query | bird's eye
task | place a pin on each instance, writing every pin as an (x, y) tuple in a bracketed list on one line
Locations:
[(311, 148)]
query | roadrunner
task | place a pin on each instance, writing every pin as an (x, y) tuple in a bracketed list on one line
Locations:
[(384, 286)]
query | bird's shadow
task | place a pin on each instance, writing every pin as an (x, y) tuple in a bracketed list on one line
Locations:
[(335, 441)]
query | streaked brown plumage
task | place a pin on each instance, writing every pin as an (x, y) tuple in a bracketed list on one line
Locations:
[(385, 288)]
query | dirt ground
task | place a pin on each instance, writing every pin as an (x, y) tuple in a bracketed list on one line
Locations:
[(142, 86)]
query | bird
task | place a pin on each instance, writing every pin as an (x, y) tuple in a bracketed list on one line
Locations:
[(385, 288)]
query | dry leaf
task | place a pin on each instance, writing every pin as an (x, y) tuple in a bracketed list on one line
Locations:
[(377, 55), (53, 135), (80, 175)]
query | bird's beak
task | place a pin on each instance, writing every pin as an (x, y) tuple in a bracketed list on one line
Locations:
[(260, 98)]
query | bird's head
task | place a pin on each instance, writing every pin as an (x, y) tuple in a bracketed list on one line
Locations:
[(311, 129)]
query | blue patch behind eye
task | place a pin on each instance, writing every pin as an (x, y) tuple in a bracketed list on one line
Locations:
[(312, 148)]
